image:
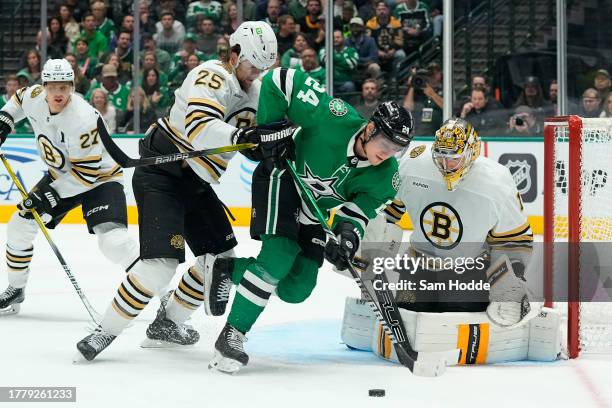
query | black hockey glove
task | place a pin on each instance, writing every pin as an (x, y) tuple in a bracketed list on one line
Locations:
[(274, 141), (341, 253), (6, 126), (43, 198)]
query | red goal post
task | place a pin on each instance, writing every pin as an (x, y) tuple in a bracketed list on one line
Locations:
[(577, 210)]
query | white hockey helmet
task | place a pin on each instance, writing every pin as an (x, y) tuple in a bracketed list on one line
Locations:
[(57, 70), (257, 44)]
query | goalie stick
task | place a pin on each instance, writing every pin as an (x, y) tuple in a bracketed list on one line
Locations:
[(95, 316), (425, 364), (126, 161)]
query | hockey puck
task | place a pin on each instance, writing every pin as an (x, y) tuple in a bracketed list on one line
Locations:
[(376, 392)]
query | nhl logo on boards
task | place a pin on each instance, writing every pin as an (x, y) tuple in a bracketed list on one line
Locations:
[(416, 152), (177, 241), (520, 173), (337, 107)]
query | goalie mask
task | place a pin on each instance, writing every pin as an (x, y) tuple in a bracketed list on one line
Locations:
[(456, 147)]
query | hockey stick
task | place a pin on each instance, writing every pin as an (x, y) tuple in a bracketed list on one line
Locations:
[(382, 302), (126, 161), (92, 312)]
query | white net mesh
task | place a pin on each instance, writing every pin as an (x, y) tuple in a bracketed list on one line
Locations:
[(595, 327)]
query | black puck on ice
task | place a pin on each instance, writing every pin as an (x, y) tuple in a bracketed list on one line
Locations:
[(376, 392)]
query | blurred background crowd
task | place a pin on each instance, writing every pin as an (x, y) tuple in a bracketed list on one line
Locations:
[(504, 73)]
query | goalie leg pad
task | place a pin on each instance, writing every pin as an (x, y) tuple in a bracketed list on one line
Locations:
[(358, 324), (480, 340)]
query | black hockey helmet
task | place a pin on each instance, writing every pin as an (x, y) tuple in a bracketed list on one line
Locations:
[(394, 122)]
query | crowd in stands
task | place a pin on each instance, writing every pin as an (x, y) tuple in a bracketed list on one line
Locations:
[(370, 39)]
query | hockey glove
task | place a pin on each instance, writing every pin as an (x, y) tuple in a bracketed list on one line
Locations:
[(274, 141), (342, 252), (43, 198), (6, 126)]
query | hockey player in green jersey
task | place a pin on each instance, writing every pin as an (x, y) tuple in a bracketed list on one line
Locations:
[(346, 161)]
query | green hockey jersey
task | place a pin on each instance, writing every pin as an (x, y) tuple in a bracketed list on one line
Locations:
[(324, 148)]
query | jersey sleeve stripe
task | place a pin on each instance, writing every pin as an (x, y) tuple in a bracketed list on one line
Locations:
[(351, 211), (197, 128), (283, 80), (86, 172), (218, 162), (521, 238), (279, 77), (211, 102), (216, 109), (19, 96), (84, 160), (289, 85), (520, 230), (81, 179)]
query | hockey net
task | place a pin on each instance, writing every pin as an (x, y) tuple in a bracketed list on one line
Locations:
[(578, 228)]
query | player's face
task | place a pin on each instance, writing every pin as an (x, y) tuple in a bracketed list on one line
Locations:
[(246, 74), (379, 148), (58, 95)]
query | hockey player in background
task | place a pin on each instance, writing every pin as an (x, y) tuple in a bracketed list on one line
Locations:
[(80, 172), (176, 203), (346, 161), (463, 207)]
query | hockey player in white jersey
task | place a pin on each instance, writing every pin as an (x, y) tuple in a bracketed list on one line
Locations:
[(214, 107), (462, 206), (80, 172)]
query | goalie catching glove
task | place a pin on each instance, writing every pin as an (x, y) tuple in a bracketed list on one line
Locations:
[(274, 141), (6, 125), (43, 198), (342, 252)]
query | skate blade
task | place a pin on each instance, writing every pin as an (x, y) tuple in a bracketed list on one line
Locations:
[(151, 343), (10, 310), (224, 364), (78, 358)]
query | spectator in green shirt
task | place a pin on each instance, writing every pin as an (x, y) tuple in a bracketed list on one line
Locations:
[(11, 85), (97, 42), (106, 26), (149, 61), (86, 64), (210, 9), (163, 58), (345, 64), (30, 74), (157, 93), (291, 58), (117, 92), (310, 65), (189, 47)]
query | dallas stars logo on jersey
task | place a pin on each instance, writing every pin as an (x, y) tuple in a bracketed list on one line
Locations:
[(321, 187)]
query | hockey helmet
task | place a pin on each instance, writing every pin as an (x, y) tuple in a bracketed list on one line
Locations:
[(456, 147), (257, 44), (57, 70), (394, 122)]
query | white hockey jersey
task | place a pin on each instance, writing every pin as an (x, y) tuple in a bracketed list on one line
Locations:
[(208, 107), (485, 208), (67, 142)]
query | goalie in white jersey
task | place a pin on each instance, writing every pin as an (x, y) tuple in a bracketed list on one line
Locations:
[(80, 172), (468, 226), (214, 107)]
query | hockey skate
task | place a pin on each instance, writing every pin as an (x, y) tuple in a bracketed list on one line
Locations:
[(217, 284), (93, 344), (10, 300), (164, 333), (229, 351)]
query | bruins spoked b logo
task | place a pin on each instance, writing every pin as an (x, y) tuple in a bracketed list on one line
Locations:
[(50, 154), (441, 225)]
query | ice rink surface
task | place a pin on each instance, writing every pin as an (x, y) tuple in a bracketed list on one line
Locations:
[(297, 359)]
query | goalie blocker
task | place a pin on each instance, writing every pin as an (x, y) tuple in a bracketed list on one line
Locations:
[(480, 340)]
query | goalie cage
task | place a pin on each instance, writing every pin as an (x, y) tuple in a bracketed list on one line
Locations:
[(577, 225)]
